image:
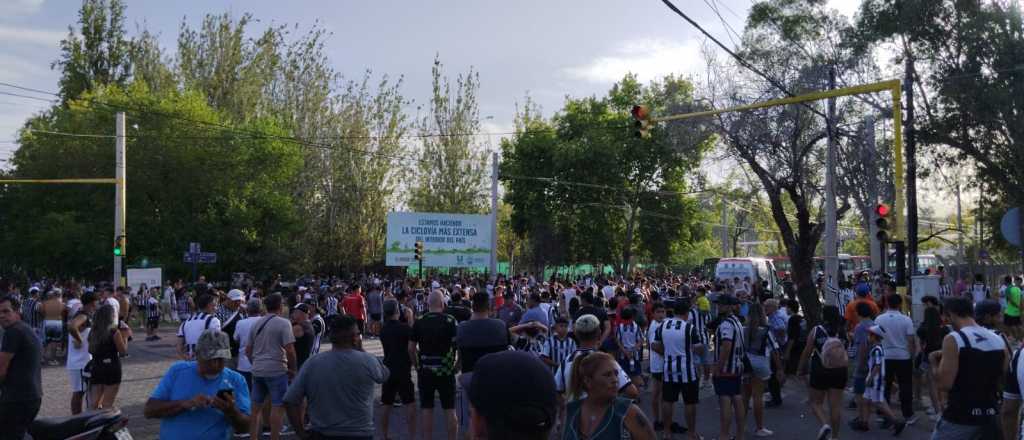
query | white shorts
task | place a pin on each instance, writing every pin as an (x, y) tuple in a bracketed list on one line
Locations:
[(77, 382)]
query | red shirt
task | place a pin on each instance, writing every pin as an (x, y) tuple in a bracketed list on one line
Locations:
[(354, 305)]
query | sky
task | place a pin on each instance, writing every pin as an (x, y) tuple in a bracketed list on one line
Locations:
[(546, 49), (542, 48)]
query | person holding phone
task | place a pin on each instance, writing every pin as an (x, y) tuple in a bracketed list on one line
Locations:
[(201, 399)]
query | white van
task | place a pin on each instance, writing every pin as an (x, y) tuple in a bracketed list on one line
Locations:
[(757, 269)]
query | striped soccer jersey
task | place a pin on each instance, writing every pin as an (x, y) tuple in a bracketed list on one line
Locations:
[(657, 362), (678, 338), (630, 336), (558, 349), (319, 328), (332, 305), (876, 357), (699, 320), (152, 308), (730, 329), (192, 328)]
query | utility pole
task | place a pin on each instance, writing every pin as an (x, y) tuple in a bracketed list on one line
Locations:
[(959, 225), (869, 152), (119, 193), (911, 149), (831, 220), (494, 217), (725, 230)]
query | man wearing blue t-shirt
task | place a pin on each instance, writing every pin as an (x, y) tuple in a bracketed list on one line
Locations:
[(201, 399)]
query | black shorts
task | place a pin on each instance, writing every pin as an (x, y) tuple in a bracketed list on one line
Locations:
[(1011, 321), (823, 379), (398, 383), (670, 392), (657, 376), (376, 317), (153, 323), (361, 324), (430, 383)]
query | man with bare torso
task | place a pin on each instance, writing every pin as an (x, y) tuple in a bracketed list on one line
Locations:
[(53, 326)]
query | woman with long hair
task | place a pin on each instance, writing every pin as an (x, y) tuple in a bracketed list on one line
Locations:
[(762, 351), (929, 336), (106, 344), (826, 382), (599, 413)]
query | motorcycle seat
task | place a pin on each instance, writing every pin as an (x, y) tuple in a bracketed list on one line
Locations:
[(63, 427)]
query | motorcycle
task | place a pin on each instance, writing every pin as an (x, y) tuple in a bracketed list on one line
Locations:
[(107, 424)]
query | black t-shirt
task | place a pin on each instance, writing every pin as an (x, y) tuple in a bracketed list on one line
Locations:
[(796, 332), (460, 312), (24, 381), (435, 335), (478, 337), (394, 337), (599, 312)]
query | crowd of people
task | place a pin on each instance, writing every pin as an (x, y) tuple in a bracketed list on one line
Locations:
[(522, 358)]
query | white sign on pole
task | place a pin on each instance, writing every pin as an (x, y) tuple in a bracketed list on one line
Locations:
[(449, 240), (151, 277)]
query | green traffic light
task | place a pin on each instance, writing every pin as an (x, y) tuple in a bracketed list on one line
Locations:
[(117, 252)]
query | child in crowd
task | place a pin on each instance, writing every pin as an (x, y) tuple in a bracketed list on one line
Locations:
[(874, 392), (629, 337)]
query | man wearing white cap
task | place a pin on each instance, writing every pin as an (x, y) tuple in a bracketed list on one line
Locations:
[(230, 312)]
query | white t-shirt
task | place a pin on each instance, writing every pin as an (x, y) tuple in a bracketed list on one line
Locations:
[(608, 291), (979, 292), (568, 294), (242, 330), (74, 305), (117, 307), (191, 329), (897, 328), (657, 362), (78, 357)]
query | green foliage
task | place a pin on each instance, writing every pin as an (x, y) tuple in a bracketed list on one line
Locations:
[(186, 182), (584, 190), (99, 53), (451, 172)]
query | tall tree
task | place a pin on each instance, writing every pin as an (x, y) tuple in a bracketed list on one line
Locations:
[(452, 172), (98, 53)]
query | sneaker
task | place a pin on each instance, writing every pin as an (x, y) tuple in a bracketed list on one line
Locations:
[(912, 420), (658, 426), (825, 432), (763, 432), (899, 427), (676, 428)]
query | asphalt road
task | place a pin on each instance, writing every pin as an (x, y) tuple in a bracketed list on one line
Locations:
[(147, 362)]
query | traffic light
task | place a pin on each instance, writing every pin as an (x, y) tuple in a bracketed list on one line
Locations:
[(882, 212), (119, 246), (641, 121), (419, 251)]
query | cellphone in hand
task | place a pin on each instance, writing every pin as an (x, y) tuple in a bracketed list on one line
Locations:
[(223, 394)]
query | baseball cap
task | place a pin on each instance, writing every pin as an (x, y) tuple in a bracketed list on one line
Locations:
[(587, 324), (303, 307), (877, 330), (213, 344), (524, 401), (236, 295)]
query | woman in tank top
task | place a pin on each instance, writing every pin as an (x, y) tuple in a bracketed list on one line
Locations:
[(601, 414), (106, 344)]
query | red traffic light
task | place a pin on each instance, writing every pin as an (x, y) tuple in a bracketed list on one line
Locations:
[(640, 112), (882, 210)]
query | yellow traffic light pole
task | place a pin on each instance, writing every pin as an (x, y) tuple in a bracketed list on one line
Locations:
[(893, 86), (120, 201)]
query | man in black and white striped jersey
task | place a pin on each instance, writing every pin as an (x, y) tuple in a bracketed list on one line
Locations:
[(190, 330), (680, 345), (729, 348)]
